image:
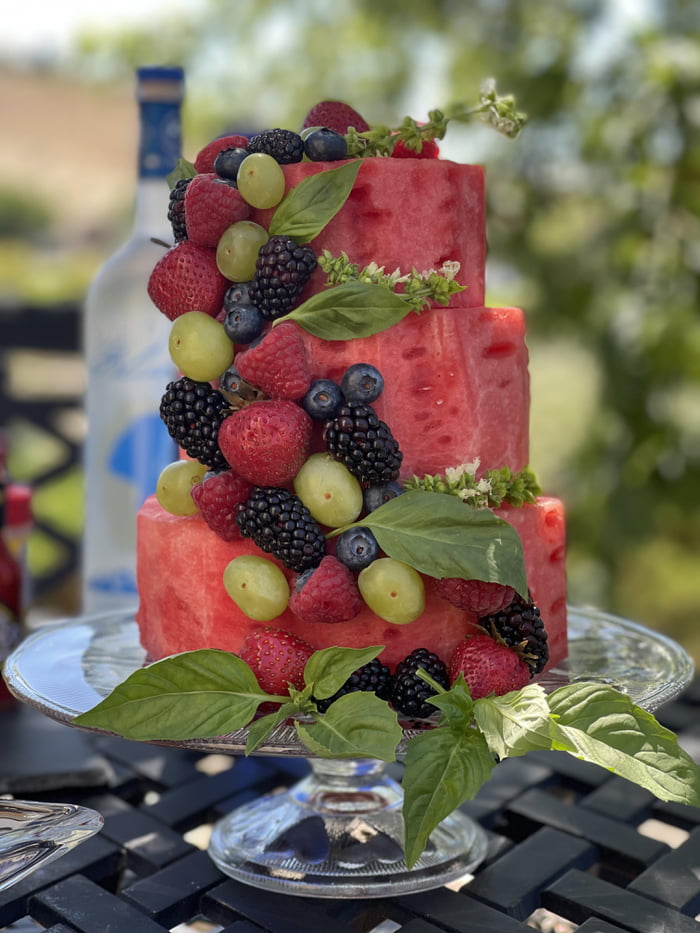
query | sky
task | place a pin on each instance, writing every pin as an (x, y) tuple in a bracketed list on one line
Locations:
[(40, 28)]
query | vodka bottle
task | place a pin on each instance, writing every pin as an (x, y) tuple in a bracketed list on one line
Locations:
[(125, 341)]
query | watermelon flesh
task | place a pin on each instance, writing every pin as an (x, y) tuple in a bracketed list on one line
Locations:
[(184, 605)]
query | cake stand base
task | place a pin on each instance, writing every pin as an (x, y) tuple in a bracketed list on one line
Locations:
[(339, 833)]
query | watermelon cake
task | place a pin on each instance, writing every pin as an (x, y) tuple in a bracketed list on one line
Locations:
[(353, 419)]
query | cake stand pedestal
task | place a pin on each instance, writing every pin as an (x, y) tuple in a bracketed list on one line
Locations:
[(337, 832)]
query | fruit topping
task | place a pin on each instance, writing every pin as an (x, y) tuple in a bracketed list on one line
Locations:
[(176, 209), (278, 522), (519, 625), (373, 677), (276, 658), (228, 161), (366, 446), (393, 590), (261, 180), (282, 270), (267, 441), (199, 346), (335, 115), (374, 496), (488, 667), (284, 146), (238, 392), (175, 485), (325, 145), (193, 413), (206, 157), (356, 548), (278, 363), (217, 497), (328, 490), (257, 586), (237, 250), (327, 593), (362, 382), (323, 399), (243, 323), (212, 205), (421, 149), (409, 692), (186, 278), (475, 596)]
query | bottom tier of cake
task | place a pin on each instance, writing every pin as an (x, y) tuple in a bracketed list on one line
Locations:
[(184, 606)]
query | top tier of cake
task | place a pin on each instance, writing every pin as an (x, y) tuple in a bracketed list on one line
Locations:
[(456, 379)]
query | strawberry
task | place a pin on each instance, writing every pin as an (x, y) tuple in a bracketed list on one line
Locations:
[(187, 278), (429, 150), (267, 441), (327, 593), (488, 666), (279, 364), (475, 596), (205, 157), (217, 497), (336, 116), (211, 206), (277, 658)]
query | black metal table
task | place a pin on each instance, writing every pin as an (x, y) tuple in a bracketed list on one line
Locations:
[(565, 840)]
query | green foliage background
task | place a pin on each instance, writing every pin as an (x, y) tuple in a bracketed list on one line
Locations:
[(593, 221)]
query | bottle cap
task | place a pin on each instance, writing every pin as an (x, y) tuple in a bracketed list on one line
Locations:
[(160, 83)]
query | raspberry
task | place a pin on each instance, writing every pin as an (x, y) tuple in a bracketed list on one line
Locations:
[(328, 593), (488, 666), (206, 156), (277, 658), (475, 596), (521, 627), (193, 413), (278, 364), (277, 521), (284, 146), (363, 443), (409, 692), (211, 206), (429, 150), (185, 279), (335, 115), (282, 270), (267, 441), (373, 677), (217, 499), (176, 209)]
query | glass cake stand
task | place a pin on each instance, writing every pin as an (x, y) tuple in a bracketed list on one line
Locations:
[(337, 832)]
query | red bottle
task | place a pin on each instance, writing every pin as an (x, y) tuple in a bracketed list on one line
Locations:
[(10, 591)]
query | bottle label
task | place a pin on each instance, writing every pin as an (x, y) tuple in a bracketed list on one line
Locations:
[(160, 138)]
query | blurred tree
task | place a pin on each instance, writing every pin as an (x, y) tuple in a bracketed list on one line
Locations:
[(593, 214)]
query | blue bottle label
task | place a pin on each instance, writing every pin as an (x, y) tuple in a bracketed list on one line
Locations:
[(160, 140)]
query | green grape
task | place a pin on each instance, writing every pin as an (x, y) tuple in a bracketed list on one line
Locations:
[(237, 250), (393, 590), (199, 346), (261, 180), (328, 490), (257, 586), (173, 489)]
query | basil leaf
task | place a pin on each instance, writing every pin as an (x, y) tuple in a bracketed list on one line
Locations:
[(358, 725), (197, 694), (441, 537), (444, 767), (259, 729), (597, 723), (307, 208), (183, 169), (515, 723), (328, 669), (456, 704), (353, 309)]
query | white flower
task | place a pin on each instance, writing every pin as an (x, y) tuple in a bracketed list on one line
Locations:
[(449, 269)]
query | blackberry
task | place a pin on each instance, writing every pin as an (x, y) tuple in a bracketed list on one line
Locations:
[(193, 412), (176, 209), (409, 693), (521, 627), (279, 523), (282, 270), (364, 444), (373, 677), (284, 146)]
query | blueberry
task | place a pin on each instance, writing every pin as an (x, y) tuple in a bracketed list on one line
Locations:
[(243, 323), (237, 294), (356, 548), (324, 145), (362, 382), (228, 161), (323, 399), (374, 496)]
